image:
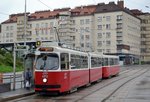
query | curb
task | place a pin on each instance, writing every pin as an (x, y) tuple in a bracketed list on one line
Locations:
[(15, 97)]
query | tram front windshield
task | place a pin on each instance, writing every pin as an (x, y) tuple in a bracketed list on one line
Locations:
[(47, 62)]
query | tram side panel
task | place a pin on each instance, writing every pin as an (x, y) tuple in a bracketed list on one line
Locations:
[(79, 78), (95, 74), (95, 69), (110, 66)]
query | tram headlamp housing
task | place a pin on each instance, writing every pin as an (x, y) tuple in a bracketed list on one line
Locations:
[(44, 80)]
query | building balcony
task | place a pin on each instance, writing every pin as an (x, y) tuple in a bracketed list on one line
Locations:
[(118, 20), (123, 46)]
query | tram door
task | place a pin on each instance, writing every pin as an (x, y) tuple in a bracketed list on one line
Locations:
[(64, 64), (64, 61)]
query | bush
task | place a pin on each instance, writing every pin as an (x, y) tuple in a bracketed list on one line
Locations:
[(6, 62)]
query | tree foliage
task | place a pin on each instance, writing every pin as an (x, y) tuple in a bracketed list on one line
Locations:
[(6, 60)]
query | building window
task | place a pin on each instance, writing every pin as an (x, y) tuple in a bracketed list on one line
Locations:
[(99, 19), (99, 50), (46, 28), (51, 24), (82, 30), (108, 34), (37, 25), (87, 21), (99, 43), (11, 34), (119, 17), (7, 28), (82, 44), (108, 26), (108, 50), (7, 35), (145, 21), (73, 21), (108, 43), (107, 18), (81, 22), (99, 27), (119, 41), (119, 25), (143, 28), (87, 44), (87, 37), (99, 35), (82, 37), (11, 27), (119, 33)]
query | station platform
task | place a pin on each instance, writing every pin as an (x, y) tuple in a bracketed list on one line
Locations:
[(18, 93)]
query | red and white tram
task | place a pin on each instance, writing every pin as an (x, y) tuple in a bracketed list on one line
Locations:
[(60, 69), (110, 66)]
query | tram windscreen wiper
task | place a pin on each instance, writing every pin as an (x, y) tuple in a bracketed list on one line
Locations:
[(42, 67)]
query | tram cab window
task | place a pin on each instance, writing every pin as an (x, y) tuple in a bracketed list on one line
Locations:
[(64, 61), (47, 62)]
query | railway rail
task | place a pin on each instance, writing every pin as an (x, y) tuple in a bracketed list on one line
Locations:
[(97, 92)]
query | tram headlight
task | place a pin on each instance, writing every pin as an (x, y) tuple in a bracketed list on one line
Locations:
[(44, 80)]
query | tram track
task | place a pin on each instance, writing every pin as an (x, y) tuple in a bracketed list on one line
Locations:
[(124, 83), (103, 84), (112, 93)]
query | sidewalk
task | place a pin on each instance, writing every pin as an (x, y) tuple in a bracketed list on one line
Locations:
[(7, 96)]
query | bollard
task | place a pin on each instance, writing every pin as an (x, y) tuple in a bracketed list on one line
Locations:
[(1, 78)]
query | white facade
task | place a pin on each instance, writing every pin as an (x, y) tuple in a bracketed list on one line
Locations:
[(145, 37), (117, 28), (8, 33), (99, 32)]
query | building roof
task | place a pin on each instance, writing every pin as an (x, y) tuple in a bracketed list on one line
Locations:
[(111, 7), (83, 10), (77, 11)]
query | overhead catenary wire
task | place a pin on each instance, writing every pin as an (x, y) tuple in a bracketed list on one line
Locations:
[(44, 4), (4, 13)]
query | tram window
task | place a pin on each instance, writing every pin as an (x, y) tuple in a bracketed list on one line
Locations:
[(111, 61), (84, 62), (105, 61), (78, 61), (95, 62), (64, 61), (47, 62), (75, 61), (99, 61), (116, 61)]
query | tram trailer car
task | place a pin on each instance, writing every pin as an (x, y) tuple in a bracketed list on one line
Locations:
[(61, 70), (95, 66), (110, 66)]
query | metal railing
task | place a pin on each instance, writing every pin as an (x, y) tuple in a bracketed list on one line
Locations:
[(19, 80)]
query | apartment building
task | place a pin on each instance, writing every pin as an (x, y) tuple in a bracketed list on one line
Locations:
[(145, 34), (102, 28), (117, 31)]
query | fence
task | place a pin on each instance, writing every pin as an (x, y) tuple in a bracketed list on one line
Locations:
[(8, 78)]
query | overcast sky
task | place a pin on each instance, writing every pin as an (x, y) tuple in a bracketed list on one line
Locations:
[(8, 7)]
